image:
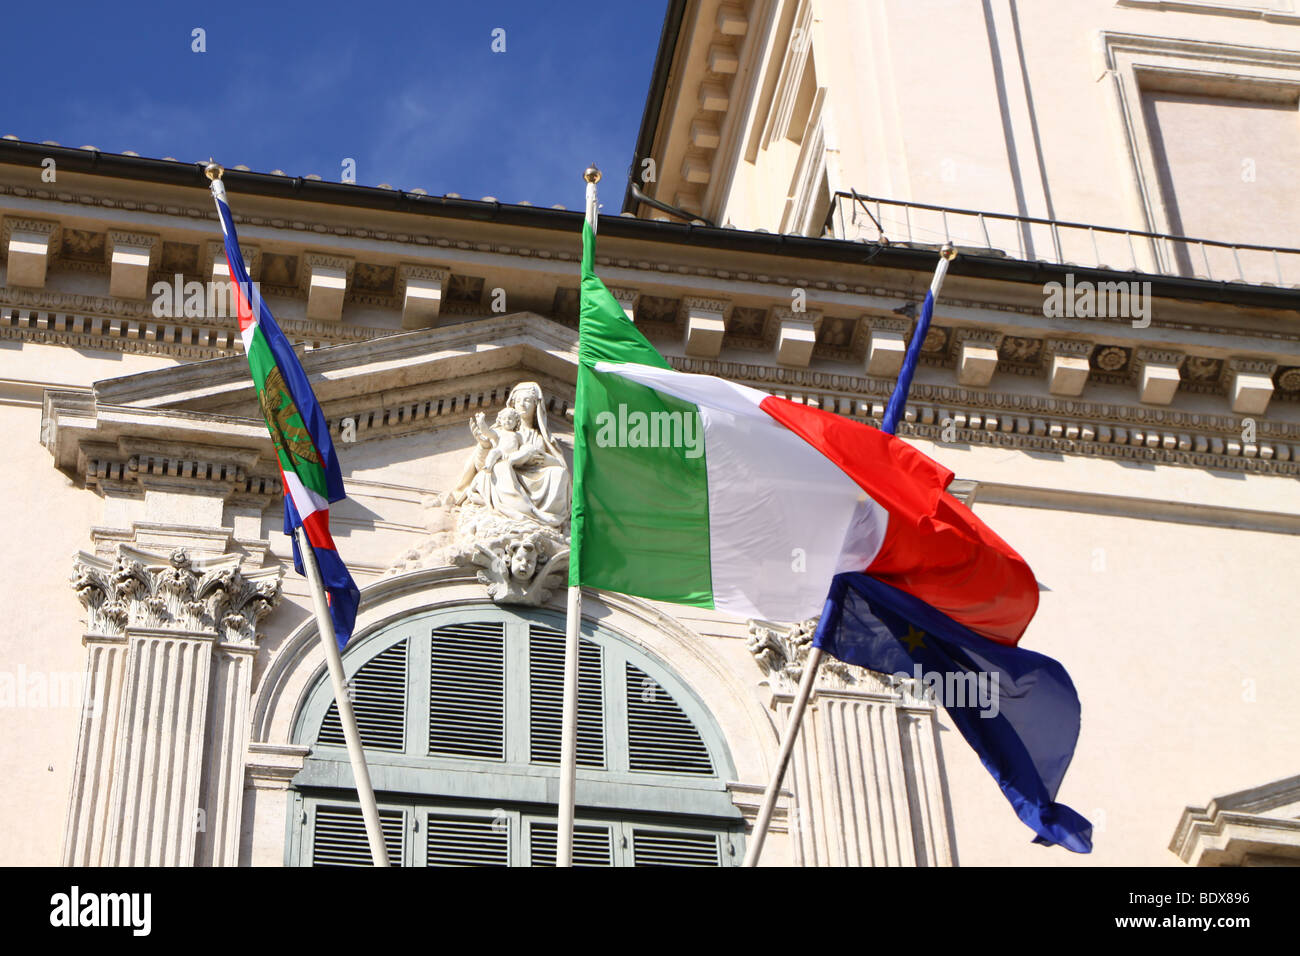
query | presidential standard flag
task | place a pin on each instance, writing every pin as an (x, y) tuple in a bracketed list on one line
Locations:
[(309, 467), (699, 491)]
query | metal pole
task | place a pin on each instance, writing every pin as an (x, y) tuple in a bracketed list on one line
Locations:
[(325, 628), (569, 731), (893, 412), (792, 725), (572, 630), (334, 661)]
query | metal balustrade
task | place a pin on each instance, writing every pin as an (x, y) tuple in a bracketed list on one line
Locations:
[(853, 216)]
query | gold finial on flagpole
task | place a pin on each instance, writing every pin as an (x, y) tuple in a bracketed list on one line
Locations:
[(592, 174), (948, 251), (213, 170)]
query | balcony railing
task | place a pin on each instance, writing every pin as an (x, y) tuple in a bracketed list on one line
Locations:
[(868, 218)]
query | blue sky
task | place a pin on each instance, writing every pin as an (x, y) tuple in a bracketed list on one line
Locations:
[(412, 91)]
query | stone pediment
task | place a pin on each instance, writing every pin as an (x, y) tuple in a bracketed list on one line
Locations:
[(1255, 827), (201, 421), (383, 365)]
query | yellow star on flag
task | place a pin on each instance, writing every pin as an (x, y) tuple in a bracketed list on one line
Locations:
[(914, 638)]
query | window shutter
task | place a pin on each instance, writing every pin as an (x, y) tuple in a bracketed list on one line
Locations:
[(340, 837), (592, 845), (467, 841), (467, 713), (378, 700), (546, 698), (660, 736), (666, 848)]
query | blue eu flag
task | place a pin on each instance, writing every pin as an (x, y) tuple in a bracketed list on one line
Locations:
[(1018, 709)]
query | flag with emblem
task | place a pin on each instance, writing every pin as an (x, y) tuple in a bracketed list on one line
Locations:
[(308, 464)]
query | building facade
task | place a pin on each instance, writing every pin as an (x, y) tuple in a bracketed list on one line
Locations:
[(1113, 374)]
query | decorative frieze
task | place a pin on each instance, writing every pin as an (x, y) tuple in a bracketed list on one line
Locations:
[(1035, 422), (206, 220), (121, 325)]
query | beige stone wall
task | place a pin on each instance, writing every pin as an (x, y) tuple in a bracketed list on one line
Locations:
[(45, 518), (1173, 631), (1010, 106)]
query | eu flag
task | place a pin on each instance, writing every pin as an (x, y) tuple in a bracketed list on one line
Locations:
[(1016, 708)]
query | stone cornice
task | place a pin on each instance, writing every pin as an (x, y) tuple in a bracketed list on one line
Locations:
[(377, 364), (104, 322), (1036, 422), (129, 435), (412, 382), (116, 446), (653, 274)]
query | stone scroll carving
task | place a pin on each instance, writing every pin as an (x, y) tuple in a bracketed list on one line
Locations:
[(174, 593), (780, 651)]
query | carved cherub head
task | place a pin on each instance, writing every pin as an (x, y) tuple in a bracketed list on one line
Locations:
[(523, 558), (508, 419)]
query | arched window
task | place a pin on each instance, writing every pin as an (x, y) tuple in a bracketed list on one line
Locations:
[(459, 712)]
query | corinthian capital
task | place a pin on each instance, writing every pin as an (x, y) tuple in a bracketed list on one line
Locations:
[(174, 592)]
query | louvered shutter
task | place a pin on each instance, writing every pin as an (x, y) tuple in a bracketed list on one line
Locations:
[(546, 698), (667, 848), (378, 700), (593, 845), (660, 736), (467, 841), (339, 838), (467, 712)]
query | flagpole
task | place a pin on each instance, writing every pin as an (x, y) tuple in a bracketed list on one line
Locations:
[(572, 630), (764, 821), (893, 411), (325, 629), (334, 661)]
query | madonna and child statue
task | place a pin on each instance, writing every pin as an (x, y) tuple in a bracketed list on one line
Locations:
[(511, 503)]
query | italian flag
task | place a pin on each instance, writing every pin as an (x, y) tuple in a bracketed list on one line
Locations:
[(695, 490)]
